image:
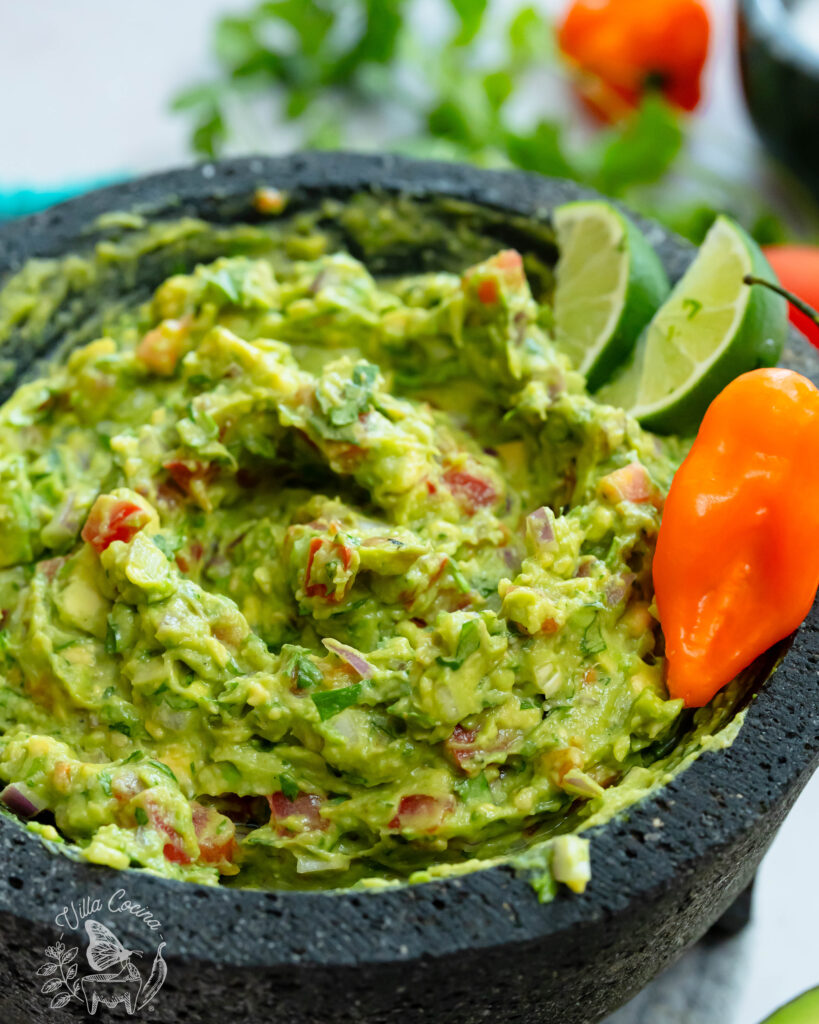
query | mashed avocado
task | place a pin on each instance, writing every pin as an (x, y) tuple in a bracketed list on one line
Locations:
[(312, 579)]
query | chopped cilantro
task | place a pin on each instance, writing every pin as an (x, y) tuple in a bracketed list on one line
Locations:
[(223, 285), (355, 397), (167, 545), (305, 673), (162, 767), (260, 445), (469, 641), (458, 577), (230, 773), (476, 789), (234, 283), (544, 884), (111, 646), (592, 641), (177, 702), (330, 702), (288, 787)]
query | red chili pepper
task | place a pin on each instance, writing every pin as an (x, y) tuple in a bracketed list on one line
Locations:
[(737, 562), (623, 49)]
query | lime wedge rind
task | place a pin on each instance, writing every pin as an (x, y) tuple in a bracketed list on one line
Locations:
[(597, 327), (692, 348)]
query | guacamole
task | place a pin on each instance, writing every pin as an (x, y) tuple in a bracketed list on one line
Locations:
[(309, 579)]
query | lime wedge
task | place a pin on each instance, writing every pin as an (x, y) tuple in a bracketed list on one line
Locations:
[(803, 1010), (712, 328), (610, 283)]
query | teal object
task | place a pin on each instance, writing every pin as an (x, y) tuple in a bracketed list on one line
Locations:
[(17, 202)]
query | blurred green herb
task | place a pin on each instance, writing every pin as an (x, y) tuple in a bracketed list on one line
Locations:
[(302, 47), (325, 66), (328, 61)]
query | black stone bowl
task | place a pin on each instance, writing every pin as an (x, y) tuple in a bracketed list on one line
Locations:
[(456, 951), (780, 77)]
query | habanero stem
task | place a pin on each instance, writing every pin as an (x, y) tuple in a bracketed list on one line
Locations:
[(794, 300)]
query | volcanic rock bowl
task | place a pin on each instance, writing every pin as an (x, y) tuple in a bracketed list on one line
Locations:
[(780, 78), (456, 951)]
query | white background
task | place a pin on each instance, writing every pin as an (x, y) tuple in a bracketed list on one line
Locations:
[(83, 94)]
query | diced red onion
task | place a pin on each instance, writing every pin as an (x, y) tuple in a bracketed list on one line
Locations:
[(511, 557), (617, 588), (327, 862), (353, 658), (126, 784), (581, 783), (318, 282), (175, 720), (541, 524), (218, 567), (68, 518), (20, 799)]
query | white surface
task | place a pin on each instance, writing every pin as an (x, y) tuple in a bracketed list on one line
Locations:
[(84, 86), (783, 952), (806, 22)]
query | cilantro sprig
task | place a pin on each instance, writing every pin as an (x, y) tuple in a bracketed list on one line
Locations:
[(326, 66), (328, 62), (355, 397), (304, 672)]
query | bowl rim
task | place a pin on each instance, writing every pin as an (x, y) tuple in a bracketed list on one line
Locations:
[(772, 20), (716, 803)]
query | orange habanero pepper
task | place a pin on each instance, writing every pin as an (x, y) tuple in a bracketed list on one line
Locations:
[(737, 562), (622, 49)]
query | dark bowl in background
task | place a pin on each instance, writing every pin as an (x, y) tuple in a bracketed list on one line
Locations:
[(475, 948), (780, 77)]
